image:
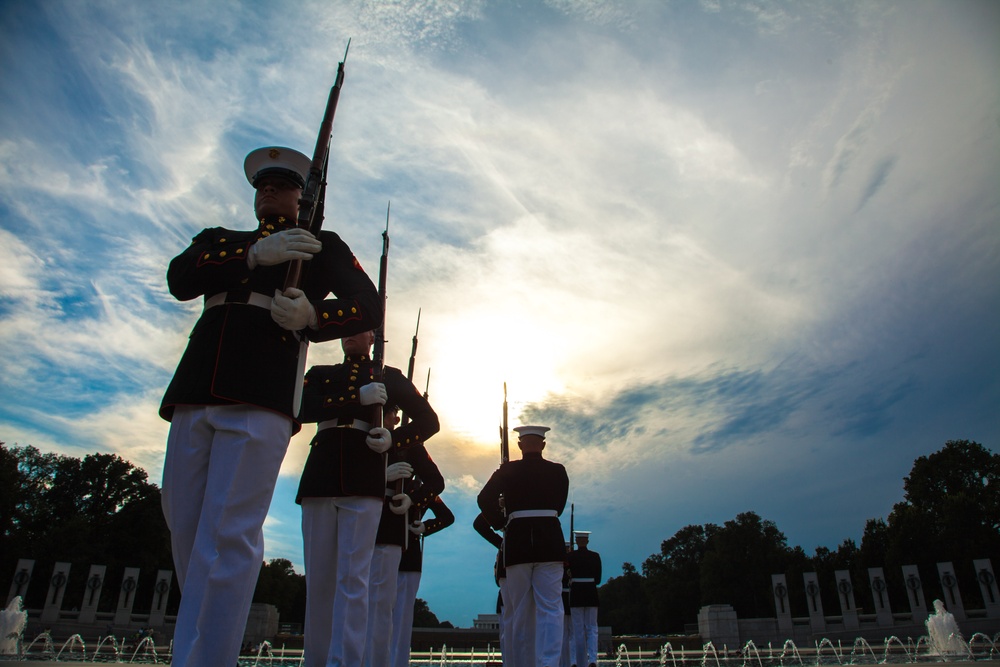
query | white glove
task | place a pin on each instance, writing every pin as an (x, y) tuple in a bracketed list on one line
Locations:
[(292, 310), (417, 528), (379, 440), (283, 246), (372, 393), (398, 471), (400, 504)]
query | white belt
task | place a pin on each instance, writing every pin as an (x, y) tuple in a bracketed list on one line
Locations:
[(583, 581), (350, 423), (532, 514), (255, 299)]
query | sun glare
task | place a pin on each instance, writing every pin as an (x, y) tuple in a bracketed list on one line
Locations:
[(470, 366)]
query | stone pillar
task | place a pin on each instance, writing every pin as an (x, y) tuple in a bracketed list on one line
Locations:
[(988, 586), (814, 602), (717, 623), (54, 597), (92, 594), (952, 596), (915, 593), (126, 596), (161, 593), (880, 596), (782, 606), (845, 594), (21, 579)]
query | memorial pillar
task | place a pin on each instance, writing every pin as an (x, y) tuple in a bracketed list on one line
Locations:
[(92, 593), (126, 596), (54, 597), (880, 596), (988, 586), (952, 595), (22, 577), (161, 593), (782, 606), (814, 602), (845, 594), (915, 593)]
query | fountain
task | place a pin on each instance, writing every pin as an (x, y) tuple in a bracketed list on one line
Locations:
[(12, 622), (70, 644), (945, 638)]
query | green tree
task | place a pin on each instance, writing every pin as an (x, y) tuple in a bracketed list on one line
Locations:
[(739, 559), (99, 509), (673, 577), (423, 617), (624, 605), (280, 585), (950, 512)]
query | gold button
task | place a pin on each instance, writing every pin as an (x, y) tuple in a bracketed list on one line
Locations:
[(206, 256), (354, 311), (222, 254), (239, 251), (340, 313), (222, 240), (265, 233), (326, 316)]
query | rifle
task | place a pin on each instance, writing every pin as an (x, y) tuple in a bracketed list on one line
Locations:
[(313, 201), (378, 350), (572, 507), (409, 372), (312, 206), (504, 441), (378, 358)]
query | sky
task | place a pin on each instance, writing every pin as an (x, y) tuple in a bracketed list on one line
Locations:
[(739, 255)]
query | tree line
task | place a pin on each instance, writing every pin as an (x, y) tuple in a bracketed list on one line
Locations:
[(950, 512), (102, 510)]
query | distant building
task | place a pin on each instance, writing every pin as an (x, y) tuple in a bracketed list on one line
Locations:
[(486, 622)]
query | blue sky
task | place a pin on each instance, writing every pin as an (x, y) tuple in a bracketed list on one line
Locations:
[(738, 255)]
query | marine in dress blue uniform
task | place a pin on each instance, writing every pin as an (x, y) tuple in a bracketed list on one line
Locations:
[(410, 570), (230, 402), (534, 494), (585, 573), (421, 482), (342, 489), (482, 526)]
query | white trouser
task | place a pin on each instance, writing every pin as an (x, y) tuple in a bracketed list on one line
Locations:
[(536, 599), (506, 650), (338, 537), (568, 645), (407, 585), (381, 599), (219, 472), (585, 634)]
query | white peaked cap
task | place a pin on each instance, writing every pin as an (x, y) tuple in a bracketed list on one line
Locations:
[(279, 161), (531, 430)]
